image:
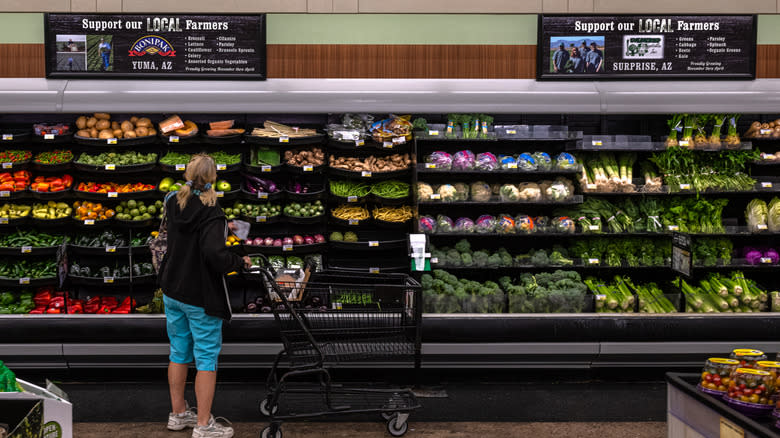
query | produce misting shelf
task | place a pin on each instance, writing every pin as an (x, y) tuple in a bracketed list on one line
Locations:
[(574, 200), (425, 169)]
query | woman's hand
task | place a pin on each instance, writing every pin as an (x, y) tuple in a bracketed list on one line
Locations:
[(247, 262), (232, 226)]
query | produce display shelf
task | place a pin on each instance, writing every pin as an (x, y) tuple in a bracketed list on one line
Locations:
[(309, 220), (110, 169), (49, 196), (305, 170), (14, 165), (502, 136), (260, 220), (99, 281), (284, 250), (116, 142), (229, 196), (261, 196), (643, 146), (59, 167), (425, 169), (282, 142), (367, 144), (28, 282), (368, 245), (180, 168), (517, 269), (306, 197), (575, 199), (737, 265), (145, 194), (366, 175), (224, 140), (53, 139), (99, 250), (137, 223), (13, 136), (29, 250), (262, 169), (179, 139)]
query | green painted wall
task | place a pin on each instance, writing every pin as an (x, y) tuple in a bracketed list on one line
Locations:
[(375, 29)]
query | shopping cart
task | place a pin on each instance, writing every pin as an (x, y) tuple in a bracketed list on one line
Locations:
[(334, 318)]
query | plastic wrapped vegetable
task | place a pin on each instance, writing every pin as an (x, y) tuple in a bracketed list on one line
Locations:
[(563, 224), (464, 225), (530, 192), (461, 192), (486, 161), (507, 162), (427, 224), (756, 216), (526, 162), (524, 224), (444, 224), (505, 224), (447, 193), (440, 160), (509, 193), (557, 191), (485, 224), (542, 224), (543, 161), (424, 191), (566, 161), (277, 262), (463, 160), (481, 192)]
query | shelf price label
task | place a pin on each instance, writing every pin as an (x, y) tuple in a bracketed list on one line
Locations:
[(766, 260), (221, 166), (284, 139), (590, 186), (359, 142), (435, 196), (387, 144), (373, 270), (262, 195), (181, 167), (593, 261), (764, 131), (5, 194), (8, 137), (399, 140), (8, 165), (601, 297), (352, 198), (434, 260), (308, 168), (108, 280), (511, 166), (265, 168), (433, 133), (597, 143), (366, 174), (762, 227), (173, 139), (110, 248), (373, 243), (4, 220), (113, 194), (685, 186), (111, 140), (673, 228), (354, 221), (89, 221), (220, 194), (766, 185), (26, 249), (48, 136), (684, 143), (511, 131), (110, 167), (287, 247), (24, 280), (593, 227), (261, 219), (430, 165)]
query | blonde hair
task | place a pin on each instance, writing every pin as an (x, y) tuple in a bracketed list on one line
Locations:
[(201, 170)]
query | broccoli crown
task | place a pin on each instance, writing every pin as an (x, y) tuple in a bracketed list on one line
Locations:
[(466, 259), (494, 261), (539, 258), (438, 285), (440, 274), (480, 258), (491, 285), (560, 275), (463, 246), (426, 280), (453, 258), (556, 258)]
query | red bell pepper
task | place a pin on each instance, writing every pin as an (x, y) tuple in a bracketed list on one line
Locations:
[(53, 310), (38, 311)]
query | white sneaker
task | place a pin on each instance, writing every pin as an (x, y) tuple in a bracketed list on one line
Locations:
[(188, 418), (213, 430)]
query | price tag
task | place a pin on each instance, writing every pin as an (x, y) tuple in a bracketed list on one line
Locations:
[(110, 248), (287, 247), (26, 249), (511, 131), (265, 168), (435, 196), (5, 194), (433, 133), (373, 243), (685, 143), (766, 185), (111, 140), (593, 261), (308, 168), (352, 198), (3, 220), (590, 186), (511, 166), (601, 297), (8, 165), (112, 194), (373, 270), (261, 219), (89, 221), (173, 139), (594, 227), (108, 280), (387, 144), (430, 165), (764, 131), (399, 140), (48, 136), (685, 186), (262, 195), (221, 166), (284, 139), (353, 221), (220, 194), (435, 260), (24, 280), (359, 142), (110, 167), (766, 260), (181, 167), (366, 174), (597, 143), (762, 227), (8, 137), (673, 228)]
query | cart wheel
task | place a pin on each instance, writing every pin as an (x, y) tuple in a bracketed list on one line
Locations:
[(396, 431), (264, 408), (266, 433)]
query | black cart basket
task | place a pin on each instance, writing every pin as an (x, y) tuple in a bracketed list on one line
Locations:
[(336, 318)]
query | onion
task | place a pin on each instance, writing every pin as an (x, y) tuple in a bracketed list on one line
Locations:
[(288, 241), (298, 239), (269, 241), (277, 242), (319, 238), (308, 240)]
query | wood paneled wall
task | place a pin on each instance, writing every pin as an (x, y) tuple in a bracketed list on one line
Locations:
[(22, 61)]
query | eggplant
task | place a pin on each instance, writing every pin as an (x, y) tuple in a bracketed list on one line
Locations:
[(260, 184), (251, 308)]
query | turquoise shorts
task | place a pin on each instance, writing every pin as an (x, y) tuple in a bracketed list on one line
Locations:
[(193, 334)]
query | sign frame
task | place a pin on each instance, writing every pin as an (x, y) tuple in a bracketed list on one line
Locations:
[(542, 75), (260, 52)]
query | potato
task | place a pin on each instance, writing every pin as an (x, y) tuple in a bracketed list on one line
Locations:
[(141, 131), (133, 119), (143, 122), (106, 133), (118, 133), (130, 134), (93, 132), (84, 133), (91, 122), (115, 126), (152, 131), (103, 116), (102, 124), (127, 126), (81, 122)]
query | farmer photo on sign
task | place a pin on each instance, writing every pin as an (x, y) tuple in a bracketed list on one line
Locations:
[(585, 54), (71, 52), (100, 56)]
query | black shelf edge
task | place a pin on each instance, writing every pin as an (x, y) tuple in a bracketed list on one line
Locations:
[(424, 169)]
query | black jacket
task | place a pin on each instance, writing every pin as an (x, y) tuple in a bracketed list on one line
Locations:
[(194, 267)]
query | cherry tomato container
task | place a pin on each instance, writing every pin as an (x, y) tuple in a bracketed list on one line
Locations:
[(750, 392), (716, 375), (773, 368), (747, 357)]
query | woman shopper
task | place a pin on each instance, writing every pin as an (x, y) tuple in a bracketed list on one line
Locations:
[(195, 294)]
